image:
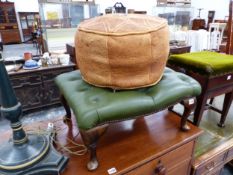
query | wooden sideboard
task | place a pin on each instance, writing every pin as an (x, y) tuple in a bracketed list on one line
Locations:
[(146, 146), (36, 89)]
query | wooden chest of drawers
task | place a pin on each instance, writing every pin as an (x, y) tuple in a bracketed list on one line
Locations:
[(182, 156), (152, 145)]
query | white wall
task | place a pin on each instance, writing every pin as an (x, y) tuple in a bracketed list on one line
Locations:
[(220, 7), (26, 5)]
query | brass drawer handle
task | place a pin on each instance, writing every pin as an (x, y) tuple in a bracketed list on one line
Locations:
[(160, 169), (210, 166)]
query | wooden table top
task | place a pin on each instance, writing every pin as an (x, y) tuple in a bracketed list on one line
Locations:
[(50, 67)]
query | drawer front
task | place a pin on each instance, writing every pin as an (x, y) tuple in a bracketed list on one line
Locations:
[(211, 165), (49, 76), (229, 155), (170, 161), (27, 80), (216, 171), (181, 169)]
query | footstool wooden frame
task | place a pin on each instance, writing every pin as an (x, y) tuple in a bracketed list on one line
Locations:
[(212, 86), (186, 89)]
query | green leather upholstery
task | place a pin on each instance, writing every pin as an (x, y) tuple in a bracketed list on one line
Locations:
[(94, 106), (205, 62)]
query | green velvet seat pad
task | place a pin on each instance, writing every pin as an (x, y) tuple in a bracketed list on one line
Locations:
[(94, 106), (205, 62)]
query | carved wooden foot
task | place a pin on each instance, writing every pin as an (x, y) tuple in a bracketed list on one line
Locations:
[(90, 139), (67, 117), (170, 108), (93, 163), (189, 105), (221, 125)]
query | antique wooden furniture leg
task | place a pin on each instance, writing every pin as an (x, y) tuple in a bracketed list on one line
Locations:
[(66, 106), (215, 80), (189, 106), (211, 100), (90, 139), (201, 102), (226, 105), (170, 108)]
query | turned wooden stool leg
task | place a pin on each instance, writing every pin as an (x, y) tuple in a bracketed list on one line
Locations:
[(201, 102), (170, 108), (189, 105), (211, 100), (66, 106), (90, 139), (226, 106)]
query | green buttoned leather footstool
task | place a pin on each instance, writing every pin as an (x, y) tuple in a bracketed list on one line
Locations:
[(214, 71), (95, 107)]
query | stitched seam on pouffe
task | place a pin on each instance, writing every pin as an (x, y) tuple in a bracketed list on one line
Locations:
[(110, 69), (151, 55)]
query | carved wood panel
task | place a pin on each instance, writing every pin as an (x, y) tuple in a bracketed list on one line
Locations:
[(36, 89)]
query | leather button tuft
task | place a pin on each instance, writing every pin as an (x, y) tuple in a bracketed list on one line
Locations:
[(95, 99)]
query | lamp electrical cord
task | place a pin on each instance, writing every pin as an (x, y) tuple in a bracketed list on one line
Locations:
[(75, 149)]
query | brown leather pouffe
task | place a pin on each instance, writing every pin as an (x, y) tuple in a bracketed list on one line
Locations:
[(122, 51)]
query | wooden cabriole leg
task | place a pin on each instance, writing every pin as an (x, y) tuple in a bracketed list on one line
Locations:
[(189, 105), (226, 105), (66, 106), (90, 139), (170, 108)]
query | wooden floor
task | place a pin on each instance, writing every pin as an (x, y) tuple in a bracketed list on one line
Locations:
[(125, 144)]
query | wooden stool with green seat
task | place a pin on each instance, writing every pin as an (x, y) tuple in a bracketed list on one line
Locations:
[(214, 71)]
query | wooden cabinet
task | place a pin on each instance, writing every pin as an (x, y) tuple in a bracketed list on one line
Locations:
[(8, 23), (151, 145), (29, 23), (36, 89), (198, 24), (213, 161)]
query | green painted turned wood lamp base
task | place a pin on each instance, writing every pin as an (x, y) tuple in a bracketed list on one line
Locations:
[(36, 157), (24, 154)]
